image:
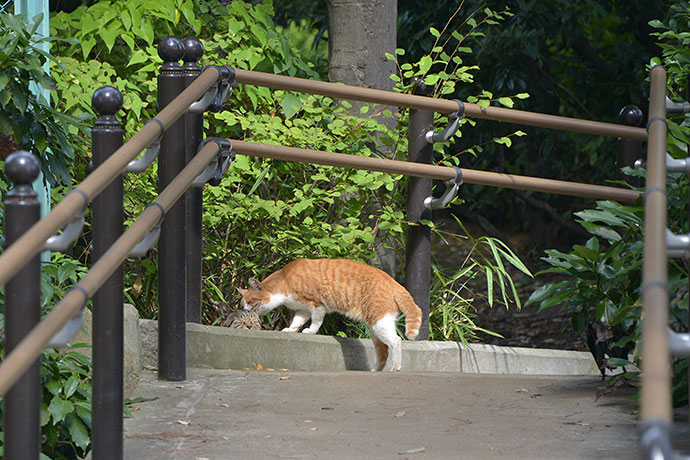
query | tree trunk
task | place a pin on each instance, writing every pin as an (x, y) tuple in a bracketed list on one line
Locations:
[(360, 33)]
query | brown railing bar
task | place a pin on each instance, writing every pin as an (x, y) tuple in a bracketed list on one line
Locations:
[(469, 176), (339, 91), (31, 243), (16, 363), (656, 378)]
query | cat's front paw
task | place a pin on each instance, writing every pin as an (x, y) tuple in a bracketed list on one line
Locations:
[(288, 329), (310, 331)]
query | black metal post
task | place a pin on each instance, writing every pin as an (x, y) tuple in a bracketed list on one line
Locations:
[(107, 333), (171, 245), (22, 425), (194, 132), (629, 150), (418, 276)]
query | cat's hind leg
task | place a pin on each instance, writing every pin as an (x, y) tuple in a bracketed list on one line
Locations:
[(317, 316), (381, 354), (384, 330), (300, 318)]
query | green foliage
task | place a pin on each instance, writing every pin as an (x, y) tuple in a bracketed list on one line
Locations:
[(445, 69), (52, 136), (265, 212), (604, 275), (310, 42), (66, 407), (116, 45), (65, 375), (674, 39), (582, 59), (113, 49), (603, 278), (451, 316), (34, 125), (66, 404)]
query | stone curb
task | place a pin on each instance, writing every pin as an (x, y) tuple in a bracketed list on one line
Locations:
[(132, 346), (225, 348)]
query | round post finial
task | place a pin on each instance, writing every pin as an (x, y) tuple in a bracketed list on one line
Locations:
[(107, 101), (171, 50), (193, 51), (22, 168), (631, 115)]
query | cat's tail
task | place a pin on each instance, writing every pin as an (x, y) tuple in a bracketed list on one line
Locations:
[(413, 315)]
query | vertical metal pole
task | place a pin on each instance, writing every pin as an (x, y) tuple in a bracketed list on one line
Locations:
[(22, 425), (108, 342), (171, 246), (655, 403), (418, 272), (629, 150), (194, 132), (687, 266)]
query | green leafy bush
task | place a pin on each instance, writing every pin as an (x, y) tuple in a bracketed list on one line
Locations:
[(30, 120), (604, 276), (602, 287), (65, 375), (33, 125), (265, 212)]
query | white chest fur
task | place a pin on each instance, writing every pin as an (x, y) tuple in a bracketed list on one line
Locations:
[(277, 300), (289, 302)]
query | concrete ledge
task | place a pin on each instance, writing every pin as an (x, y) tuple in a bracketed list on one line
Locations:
[(132, 346), (225, 348)]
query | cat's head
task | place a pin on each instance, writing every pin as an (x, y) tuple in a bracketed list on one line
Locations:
[(256, 298)]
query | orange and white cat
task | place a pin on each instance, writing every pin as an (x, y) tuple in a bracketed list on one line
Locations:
[(314, 287)]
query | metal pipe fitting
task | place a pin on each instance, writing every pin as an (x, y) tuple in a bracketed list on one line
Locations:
[(452, 187), (677, 164), (677, 246), (677, 107), (443, 136), (679, 343), (61, 241)]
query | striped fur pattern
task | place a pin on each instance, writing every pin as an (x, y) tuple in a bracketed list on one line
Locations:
[(311, 288)]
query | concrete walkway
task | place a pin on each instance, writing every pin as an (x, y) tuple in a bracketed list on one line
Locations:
[(243, 414)]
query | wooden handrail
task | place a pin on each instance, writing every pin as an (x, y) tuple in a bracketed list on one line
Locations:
[(377, 96)]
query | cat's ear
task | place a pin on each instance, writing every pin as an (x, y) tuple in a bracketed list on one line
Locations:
[(242, 291), (254, 284)]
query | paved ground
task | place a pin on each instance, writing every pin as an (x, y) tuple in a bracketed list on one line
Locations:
[(218, 414)]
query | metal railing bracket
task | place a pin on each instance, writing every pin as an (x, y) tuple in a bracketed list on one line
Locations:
[(679, 343), (215, 170), (452, 187), (151, 238), (454, 119), (61, 241), (677, 246), (677, 107)]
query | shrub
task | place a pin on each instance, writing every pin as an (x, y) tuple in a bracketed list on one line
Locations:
[(605, 274)]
